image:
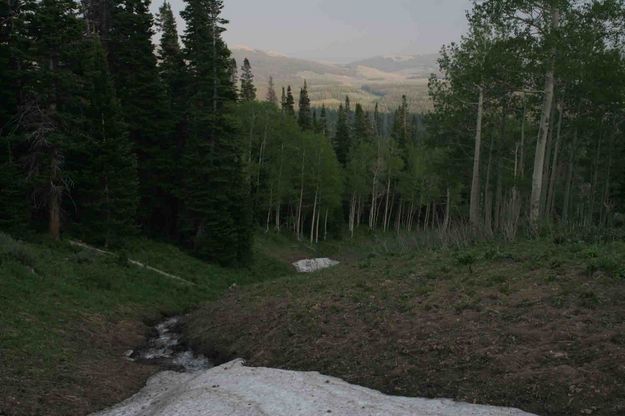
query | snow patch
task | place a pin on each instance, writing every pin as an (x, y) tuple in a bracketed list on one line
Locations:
[(235, 390), (313, 265)]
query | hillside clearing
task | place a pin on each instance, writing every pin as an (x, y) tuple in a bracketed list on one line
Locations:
[(534, 325), (67, 315)]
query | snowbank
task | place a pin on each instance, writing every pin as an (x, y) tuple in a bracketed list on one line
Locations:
[(235, 390), (313, 265)]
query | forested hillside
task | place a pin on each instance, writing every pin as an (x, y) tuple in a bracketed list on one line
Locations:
[(104, 136)]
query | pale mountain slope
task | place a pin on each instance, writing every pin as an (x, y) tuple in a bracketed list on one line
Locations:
[(377, 80)]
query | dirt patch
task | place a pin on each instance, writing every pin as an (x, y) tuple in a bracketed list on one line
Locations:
[(547, 342), (97, 378)]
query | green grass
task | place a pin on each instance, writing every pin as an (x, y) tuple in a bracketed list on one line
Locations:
[(54, 296)]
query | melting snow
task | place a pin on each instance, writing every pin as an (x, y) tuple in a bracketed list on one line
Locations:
[(235, 390), (313, 265)]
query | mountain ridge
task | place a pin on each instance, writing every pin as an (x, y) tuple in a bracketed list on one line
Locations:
[(382, 79)]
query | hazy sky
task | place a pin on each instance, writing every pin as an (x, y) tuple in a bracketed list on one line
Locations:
[(342, 30)]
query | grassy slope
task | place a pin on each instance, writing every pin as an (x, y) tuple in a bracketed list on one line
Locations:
[(538, 325), (67, 315)]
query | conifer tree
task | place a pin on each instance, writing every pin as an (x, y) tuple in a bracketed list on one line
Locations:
[(323, 121), (217, 211), (342, 139), (248, 90), (51, 106), (289, 103), (304, 117), (271, 93), (361, 125), (14, 208), (144, 104), (175, 79), (102, 163), (283, 101)]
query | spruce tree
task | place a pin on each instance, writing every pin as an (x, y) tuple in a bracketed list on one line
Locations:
[(217, 215), (342, 139), (248, 90), (144, 106), (304, 116), (283, 101), (51, 107), (234, 76), (14, 207), (289, 104), (271, 93), (175, 79), (323, 121), (361, 125), (102, 163)]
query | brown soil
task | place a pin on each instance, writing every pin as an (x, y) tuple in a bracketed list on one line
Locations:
[(548, 342), (100, 377)]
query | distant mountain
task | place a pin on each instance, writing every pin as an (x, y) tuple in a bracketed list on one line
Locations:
[(381, 80), (412, 65)]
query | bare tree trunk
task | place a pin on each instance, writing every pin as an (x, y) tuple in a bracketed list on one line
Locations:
[(317, 227), (554, 166), (488, 192), (388, 192), (474, 209), (301, 199), (314, 215), (269, 210), (447, 210), (325, 226), (569, 178), (539, 158), (54, 216), (547, 168), (595, 182)]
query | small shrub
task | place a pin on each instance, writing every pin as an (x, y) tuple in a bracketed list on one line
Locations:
[(15, 250), (466, 259), (84, 257), (122, 259)]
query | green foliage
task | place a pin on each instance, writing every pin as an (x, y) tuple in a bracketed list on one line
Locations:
[(217, 217), (248, 90), (144, 103), (104, 166), (304, 118)]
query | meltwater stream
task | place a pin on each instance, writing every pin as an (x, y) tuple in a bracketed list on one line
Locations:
[(166, 349)]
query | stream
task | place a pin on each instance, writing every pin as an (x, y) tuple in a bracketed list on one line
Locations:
[(166, 349)]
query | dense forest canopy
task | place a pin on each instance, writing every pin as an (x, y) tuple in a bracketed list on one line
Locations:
[(104, 135)]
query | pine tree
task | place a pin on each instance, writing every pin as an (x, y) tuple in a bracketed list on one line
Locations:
[(271, 93), (175, 79), (283, 101), (289, 103), (342, 139), (248, 90), (144, 105), (102, 163), (14, 207), (361, 125), (323, 121), (304, 116), (217, 210), (50, 108), (401, 126), (234, 77)]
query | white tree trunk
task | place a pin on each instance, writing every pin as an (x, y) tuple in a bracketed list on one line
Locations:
[(474, 209), (539, 158)]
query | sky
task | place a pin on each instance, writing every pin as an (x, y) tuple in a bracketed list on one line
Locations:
[(342, 30)]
